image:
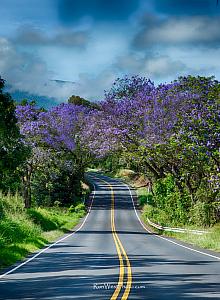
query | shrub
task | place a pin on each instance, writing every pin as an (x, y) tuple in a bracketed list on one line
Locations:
[(80, 208), (168, 199), (71, 209), (163, 188), (203, 214), (156, 215), (57, 203), (11, 204), (145, 199), (17, 230)]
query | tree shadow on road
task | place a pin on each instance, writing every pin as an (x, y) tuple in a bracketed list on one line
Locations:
[(66, 274)]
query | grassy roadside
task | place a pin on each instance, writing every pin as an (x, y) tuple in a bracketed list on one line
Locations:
[(24, 231), (210, 240)]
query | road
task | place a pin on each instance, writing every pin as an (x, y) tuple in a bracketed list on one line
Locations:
[(112, 256)]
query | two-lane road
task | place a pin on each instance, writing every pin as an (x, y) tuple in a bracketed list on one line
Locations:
[(112, 256)]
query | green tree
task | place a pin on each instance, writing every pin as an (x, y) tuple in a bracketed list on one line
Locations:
[(12, 150), (77, 100)]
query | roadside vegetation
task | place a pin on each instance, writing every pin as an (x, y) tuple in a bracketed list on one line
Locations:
[(42, 185), (210, 241), (25, 230)]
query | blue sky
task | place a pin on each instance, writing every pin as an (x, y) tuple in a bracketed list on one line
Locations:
[(89, 43)]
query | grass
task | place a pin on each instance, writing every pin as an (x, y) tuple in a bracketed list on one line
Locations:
[(144, 197), (210, 240), (24, 231)]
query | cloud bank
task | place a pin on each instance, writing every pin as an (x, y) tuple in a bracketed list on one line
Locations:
[(92, 42), (29, 73), (65, 38), (175, 31)]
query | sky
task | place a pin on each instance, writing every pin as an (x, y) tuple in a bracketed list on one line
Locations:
[(57, 48)]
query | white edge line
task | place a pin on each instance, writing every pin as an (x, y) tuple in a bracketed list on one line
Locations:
[(51, 245), (170, 241)]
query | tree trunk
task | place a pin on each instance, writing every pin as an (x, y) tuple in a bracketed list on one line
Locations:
[(191, 190), (26, 190), (152, 170)]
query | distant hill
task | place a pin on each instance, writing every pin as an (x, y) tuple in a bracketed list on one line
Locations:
[(42, 101)]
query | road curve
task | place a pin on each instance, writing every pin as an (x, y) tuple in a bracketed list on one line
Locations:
[(113, 257)]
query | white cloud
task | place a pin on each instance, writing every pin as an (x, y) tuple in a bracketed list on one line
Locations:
[(194, 30), (153, 66), (164, 67), (27, 35), (92, 86), (28, 73)]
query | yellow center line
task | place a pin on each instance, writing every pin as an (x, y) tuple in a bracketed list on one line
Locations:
[(121, 253), (129, 272), (121, 263)]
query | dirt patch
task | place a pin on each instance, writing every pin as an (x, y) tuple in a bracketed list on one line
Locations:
[(135, 180), (85, 186), (140, 181)]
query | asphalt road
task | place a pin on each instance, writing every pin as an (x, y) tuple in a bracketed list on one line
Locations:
[(113, 257)]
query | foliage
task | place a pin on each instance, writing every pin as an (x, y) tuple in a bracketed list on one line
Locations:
[(58, 160), (79, 208), (170, 208), (211, 240), (145, 199), (12, 151), (26, 230), (158, 216), (168, 200), (203, 214), (170, 132), (77, 100)]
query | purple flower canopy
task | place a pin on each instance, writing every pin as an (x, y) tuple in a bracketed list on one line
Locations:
[(57, 128), (137, 112), (134, 112)]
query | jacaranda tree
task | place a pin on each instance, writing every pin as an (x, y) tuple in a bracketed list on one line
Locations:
[(53, 136)]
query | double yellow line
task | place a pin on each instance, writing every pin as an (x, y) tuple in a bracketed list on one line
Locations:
[(122, 255)]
